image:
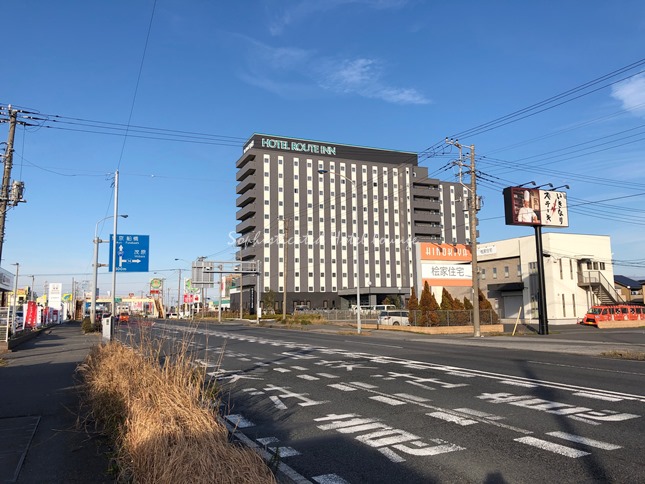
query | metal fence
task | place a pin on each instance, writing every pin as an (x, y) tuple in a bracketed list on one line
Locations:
[(416, 318)]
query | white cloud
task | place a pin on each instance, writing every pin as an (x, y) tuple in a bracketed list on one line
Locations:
[(631, 93), (364, 78), (306, 8), (297, 72)]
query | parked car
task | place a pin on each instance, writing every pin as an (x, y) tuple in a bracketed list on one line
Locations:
[(172, 316), (396, 317), (124, 318), (300, 309)]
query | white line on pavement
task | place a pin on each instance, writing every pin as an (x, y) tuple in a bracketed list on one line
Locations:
[(388, 400), (584, 440), (551, 447), (278, 403)]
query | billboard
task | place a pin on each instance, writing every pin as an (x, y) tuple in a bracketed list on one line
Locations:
[(530, 206), (445, 265)]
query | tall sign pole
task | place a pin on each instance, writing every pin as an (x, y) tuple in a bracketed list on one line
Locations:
[(6, 177), (109, 330), (537, 208)]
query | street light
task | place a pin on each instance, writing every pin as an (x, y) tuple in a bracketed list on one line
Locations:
[(96, 266), (358, 266)]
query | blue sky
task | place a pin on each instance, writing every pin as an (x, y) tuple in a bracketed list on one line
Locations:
[(391, 74)]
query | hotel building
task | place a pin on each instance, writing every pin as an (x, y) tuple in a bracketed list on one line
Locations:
[(309, 211)]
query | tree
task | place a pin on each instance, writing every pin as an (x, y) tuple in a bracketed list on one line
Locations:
[(460, 315), (424, 305), (487, 313), (413, 302), (468, 306), (446, 306), (428, 306), (268, 300)]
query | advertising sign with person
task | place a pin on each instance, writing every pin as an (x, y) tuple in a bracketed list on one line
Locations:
[(530, 206)]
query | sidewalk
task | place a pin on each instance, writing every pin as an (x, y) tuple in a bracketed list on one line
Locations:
[(39, 441)]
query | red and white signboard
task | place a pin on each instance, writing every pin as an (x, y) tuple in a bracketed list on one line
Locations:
[(191, 298), (446, 265)]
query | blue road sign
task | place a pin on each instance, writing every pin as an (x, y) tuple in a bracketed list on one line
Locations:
[(132, 253)]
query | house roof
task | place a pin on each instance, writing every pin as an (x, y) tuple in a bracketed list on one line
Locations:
[(627, 282)]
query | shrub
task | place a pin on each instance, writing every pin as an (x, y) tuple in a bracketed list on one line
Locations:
[(161, 419), (87, 325)]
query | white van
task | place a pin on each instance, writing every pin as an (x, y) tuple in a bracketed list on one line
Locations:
[(398, 317), (383, 307)]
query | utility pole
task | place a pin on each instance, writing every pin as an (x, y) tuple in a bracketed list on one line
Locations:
[(284, 269), (473, 204), (6, 177)]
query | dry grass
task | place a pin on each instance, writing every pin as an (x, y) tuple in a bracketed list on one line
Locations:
[(161, 419), (624, 355)]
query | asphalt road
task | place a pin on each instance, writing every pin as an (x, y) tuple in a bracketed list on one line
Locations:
[(341, 408)]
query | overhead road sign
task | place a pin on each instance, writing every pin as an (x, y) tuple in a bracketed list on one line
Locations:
[(131, 252)]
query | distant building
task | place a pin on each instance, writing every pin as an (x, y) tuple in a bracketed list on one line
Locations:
[(304, 226), (577, 269), (631, 290)]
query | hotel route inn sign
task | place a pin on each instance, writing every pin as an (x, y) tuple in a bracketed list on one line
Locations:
[(131, 253)]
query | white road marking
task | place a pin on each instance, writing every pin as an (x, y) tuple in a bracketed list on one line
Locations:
[(584, 440), (278, 450), (363, 385), (299, 368), (597, 396), (268, 440), (383, 435), (388, 400), (282, 370), (519, 383), (329, 479), (477, 413), (238, 421), (414, 398), (390, 454), (308, 377), (448, 417), (585, 420), (326, 375), (551, 447), (425, 387), (342, 387), (278, 403)]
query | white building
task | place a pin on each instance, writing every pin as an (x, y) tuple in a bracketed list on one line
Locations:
[(577, 271)]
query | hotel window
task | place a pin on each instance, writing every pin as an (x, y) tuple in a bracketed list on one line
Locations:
[(506, 273), (494, 272), (483, 274), (519, 270)]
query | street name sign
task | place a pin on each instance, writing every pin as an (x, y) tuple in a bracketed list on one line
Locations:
[(131, 252)]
